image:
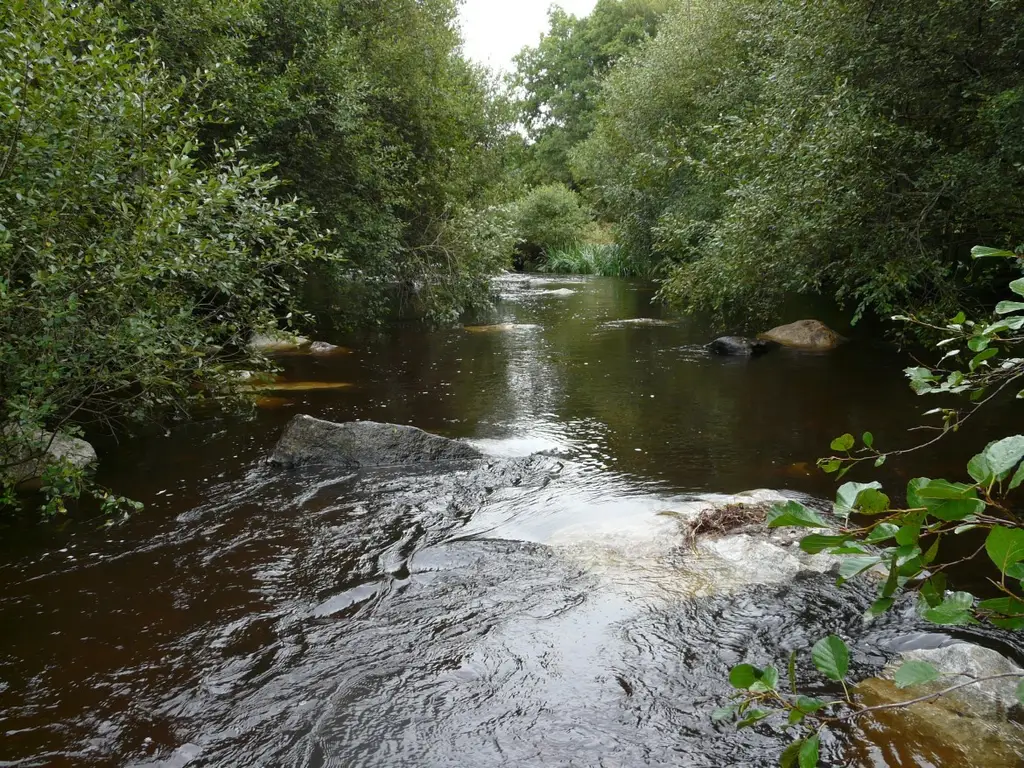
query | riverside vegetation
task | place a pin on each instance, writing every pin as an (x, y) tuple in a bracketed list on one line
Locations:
[(172, 174)]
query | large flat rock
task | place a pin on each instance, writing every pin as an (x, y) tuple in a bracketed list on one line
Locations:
[(309, 441)]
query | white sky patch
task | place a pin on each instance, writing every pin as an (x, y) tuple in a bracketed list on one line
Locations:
[(496, 30)]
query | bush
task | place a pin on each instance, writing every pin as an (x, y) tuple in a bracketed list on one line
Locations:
[(130, 274), (550, 218)]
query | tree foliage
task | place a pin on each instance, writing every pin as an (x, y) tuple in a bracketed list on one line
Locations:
[(131, 272), (559, 80), (374, 120), (857, 149)]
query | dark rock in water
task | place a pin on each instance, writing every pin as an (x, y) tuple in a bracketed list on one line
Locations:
[(363, 444), (737, 345)]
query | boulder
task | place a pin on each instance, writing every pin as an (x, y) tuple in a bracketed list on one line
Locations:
[(357, 444), (804, 334), (959, 662), (41, 450), (737, 345), (981, 719)]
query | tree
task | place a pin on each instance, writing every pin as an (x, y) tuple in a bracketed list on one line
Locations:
[(853, 149), (131, 271), (559, 80)]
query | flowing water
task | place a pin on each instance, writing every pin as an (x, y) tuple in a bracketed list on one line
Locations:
[(471, 617)]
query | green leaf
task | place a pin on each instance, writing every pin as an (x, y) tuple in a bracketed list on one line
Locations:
[(723, 713), (793, 513), (979, 343), (915, 673), (955, 609), (880, 461), (829, 466), (1007, 606), (868, 440), (752, 717), (854, 566), (791, 755), (879, 607), (981, 357), (831, 657), (1005, 546), (1008, 307), (809, 752), (1016, 571), (844, 443), (849, 494), (1018, 478), (983, 252), (816, 543), (768, 681), (978, 468), (1015, 624), (944, 500), (743, 676), (1003, 455), (934, 590), (910, 532), (881, 532)]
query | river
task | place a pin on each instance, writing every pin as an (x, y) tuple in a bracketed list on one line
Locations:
[(255, 617)]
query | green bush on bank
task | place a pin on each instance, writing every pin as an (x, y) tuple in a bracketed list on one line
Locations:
[(548, 219), (131, 272), (852, 149)]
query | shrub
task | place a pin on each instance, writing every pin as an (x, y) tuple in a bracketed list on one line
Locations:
[(130, 274), (550, 218)]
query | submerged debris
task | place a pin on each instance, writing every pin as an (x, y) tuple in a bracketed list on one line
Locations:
[(720, 521)]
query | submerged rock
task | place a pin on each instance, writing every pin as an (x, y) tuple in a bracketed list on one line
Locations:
[(363, 444), (982, 719), (737, 345), (276, 342), (36, 452), (804, 334)]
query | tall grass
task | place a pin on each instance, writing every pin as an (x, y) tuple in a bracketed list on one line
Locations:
[(605, 259)]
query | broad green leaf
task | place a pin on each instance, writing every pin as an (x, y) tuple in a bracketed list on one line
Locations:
[(829, 466), (752, 717), (723, 713), (915, 673), (1016, 571), (1008, 307), (868, 439), (910, 532), (879, 607), (984, 252), (880, 461), (1007, 606), (979, 343), (944, 500), (934, 590), (831, 657), (854, 566), (849, 493), (816, 543), (768, 681), (1015, 624), (1003, 455), (1005, 546), (793, 513), (809, 752), (844, 443), (743, 676), (881, 532), (1017, 286), (955, 609), (791, 755), (1018, 477), (980, 470), (981, 357)]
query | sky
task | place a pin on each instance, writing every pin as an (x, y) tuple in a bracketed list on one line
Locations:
[(496, 30)]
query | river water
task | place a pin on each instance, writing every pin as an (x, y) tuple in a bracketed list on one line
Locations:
[(254, 617)]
